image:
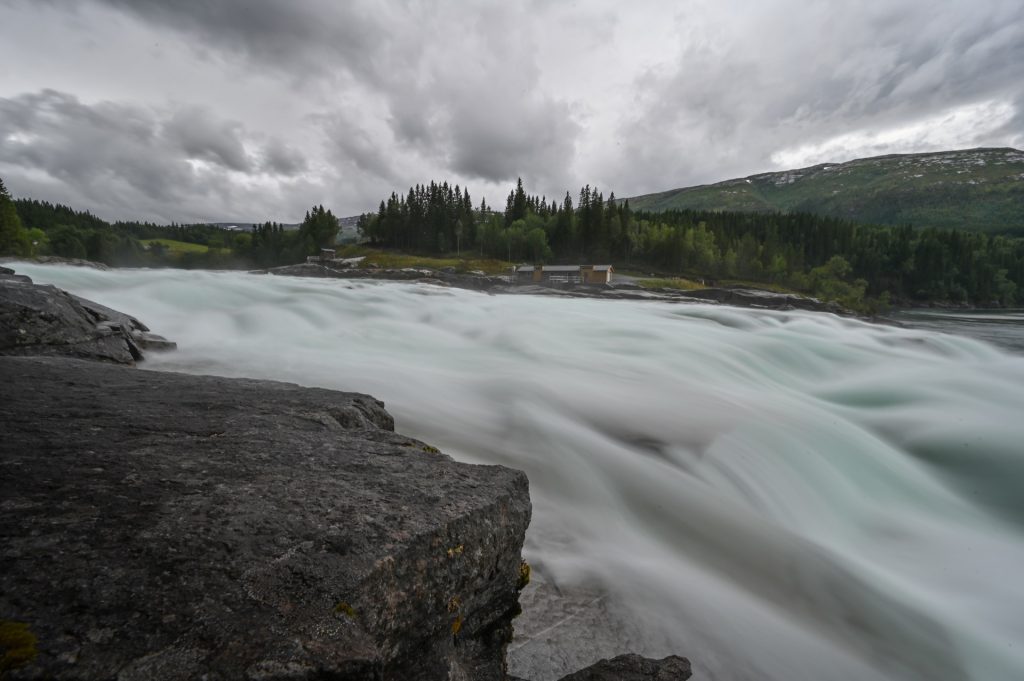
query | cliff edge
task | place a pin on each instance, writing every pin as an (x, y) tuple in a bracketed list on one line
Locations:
[(166, 526)]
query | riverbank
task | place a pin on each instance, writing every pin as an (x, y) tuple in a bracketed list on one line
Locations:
[(737, 297)]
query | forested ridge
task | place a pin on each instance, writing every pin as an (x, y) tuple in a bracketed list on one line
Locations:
[(862, 266), (977, 189)]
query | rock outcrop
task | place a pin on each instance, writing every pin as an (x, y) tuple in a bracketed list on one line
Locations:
[(476, 282), (58, 260), (759, 298), (634, 668), (44, 320), (734, 296), (164, 526)]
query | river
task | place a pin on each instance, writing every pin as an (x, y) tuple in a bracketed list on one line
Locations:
[(777, 495), (1004, 328)]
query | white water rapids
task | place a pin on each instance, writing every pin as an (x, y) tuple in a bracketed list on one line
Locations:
[(775, 495)]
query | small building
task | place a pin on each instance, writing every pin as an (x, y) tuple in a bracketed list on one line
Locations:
[(563, 274), (527, 274), (327, 254), (598, 274)]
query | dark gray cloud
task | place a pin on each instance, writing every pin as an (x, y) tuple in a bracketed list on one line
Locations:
[(541, 140), (296, 38), (281, 159), (96, 150), (261, 101), (128, 160), (201, 136), (485, 115), (354, 148)]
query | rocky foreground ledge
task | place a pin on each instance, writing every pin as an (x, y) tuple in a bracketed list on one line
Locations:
[(169, 526), (164, 526)]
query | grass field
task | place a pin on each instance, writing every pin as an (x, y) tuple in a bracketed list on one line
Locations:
[(763, 285), (177, 247), (671, 282)]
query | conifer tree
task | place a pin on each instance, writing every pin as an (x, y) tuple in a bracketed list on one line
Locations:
[(13, 237), (319, 229)]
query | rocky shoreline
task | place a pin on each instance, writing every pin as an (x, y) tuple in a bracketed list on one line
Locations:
[(171, 526), (44, 320), (736, 297)]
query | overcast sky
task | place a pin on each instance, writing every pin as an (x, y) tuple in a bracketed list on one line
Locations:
[(197, 110)]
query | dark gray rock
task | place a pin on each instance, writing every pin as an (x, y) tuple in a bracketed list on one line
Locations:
[(164, 526), (153, 341), (44, 320), (58, 260), (102, 313), (7, 274), (448, 276), (634, 668), (749, 297)]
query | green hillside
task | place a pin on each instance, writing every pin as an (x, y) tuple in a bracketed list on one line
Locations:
[(975, 189)]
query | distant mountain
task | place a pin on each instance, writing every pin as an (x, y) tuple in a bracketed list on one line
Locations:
[(975, 189)]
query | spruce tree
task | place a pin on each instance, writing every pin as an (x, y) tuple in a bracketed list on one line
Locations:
[(13, 237)]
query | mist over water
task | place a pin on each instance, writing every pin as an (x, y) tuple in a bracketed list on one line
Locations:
[(776, 495)]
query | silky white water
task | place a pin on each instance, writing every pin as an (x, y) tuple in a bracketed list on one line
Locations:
[(776, 495)]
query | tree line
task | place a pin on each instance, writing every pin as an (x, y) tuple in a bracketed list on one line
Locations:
[(874, 263), (439, 219), (864, 266), (30, 227)]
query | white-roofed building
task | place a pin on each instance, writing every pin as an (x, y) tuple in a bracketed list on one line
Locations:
[(598, 274)]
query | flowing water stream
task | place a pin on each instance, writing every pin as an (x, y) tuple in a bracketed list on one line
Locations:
[(777, 495)]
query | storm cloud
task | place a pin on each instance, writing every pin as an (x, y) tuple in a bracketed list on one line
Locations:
[(254, 109), (126, 159)]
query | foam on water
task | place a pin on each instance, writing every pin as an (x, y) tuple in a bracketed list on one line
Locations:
[(777, 495)]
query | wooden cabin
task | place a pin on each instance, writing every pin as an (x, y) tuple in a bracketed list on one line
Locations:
[(527, 274), (563, 274), (597, 274)]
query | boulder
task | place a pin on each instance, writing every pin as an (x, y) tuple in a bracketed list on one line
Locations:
[(73, 262), (166, 526), (44, 320), (634, 668), (759, 298), (102, 313), (7, 274), (153, 341), (58, 260)]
